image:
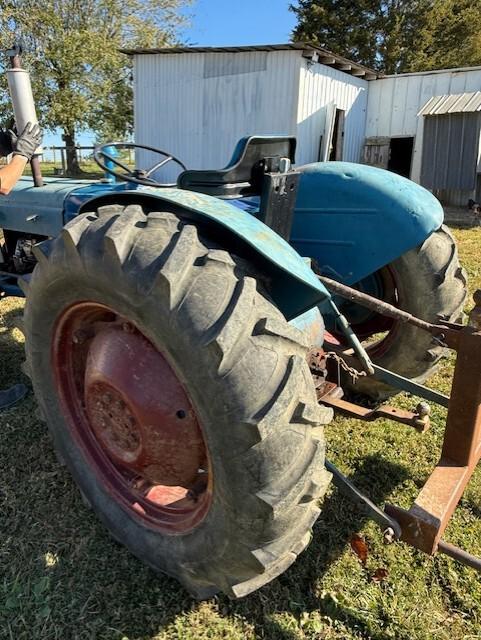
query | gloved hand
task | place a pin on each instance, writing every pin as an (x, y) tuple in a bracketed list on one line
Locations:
[(6, 147), (27, 142)]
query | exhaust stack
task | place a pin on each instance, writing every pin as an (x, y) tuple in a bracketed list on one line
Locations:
[(23, 103)]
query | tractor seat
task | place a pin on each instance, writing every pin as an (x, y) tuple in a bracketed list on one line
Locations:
[(243, 175)]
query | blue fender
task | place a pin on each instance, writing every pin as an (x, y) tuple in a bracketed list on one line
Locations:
[(353, 219), (293, 285)]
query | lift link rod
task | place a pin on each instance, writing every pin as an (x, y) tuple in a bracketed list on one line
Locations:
[(444, 333)]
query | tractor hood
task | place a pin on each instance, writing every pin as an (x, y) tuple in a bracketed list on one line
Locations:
[(40, 210)]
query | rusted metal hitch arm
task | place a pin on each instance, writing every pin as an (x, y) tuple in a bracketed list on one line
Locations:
[(419, 420), (424, 523)]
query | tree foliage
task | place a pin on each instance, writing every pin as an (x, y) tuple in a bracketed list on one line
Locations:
[(80, 79), (394, 36)]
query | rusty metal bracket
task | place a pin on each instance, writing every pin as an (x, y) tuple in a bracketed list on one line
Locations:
[(418, 419), (424, 523)]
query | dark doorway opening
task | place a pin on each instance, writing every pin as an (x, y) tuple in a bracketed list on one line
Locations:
[(400, 156), (337, 144)]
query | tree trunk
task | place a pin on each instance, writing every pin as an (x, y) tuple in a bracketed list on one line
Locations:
[(73, 168)]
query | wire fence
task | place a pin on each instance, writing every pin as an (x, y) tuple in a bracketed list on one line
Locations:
[(57, 156), (54, 159)]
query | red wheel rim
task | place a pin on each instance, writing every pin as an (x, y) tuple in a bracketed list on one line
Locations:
[(376, 323), (131, 416)]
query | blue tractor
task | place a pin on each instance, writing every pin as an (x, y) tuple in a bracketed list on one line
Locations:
[(186, 352)]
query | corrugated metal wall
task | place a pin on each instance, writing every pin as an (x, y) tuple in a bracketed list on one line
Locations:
[(321, 85), (198, 105), (450, 151), (395, 101)]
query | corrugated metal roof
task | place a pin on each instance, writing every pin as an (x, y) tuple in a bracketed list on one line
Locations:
[(452, 103), (324, 56)]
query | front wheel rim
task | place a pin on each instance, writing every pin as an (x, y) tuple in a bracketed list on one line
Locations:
[(376, 332)]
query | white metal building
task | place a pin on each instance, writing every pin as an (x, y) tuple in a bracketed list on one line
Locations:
[(400, 107), (197, 102)]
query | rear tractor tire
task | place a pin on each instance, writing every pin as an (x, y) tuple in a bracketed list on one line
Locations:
[(178, 396)]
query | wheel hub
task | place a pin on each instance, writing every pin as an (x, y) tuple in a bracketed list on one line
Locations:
[(139, 411), (133, 420)]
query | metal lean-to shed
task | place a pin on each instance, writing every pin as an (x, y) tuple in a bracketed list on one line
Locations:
[(451, 160), (197, 102), (401, 136)]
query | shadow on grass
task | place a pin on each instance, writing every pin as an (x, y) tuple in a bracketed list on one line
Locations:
[(296, 590), (63, 577)]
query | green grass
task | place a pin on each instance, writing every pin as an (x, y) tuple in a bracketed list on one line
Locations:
[(62, 577), (90, 170)]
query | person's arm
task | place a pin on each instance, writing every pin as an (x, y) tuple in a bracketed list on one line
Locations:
[(11, 173), (23, 148)]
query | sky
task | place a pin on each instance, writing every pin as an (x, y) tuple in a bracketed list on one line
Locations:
[(223, 23), (239, 22)]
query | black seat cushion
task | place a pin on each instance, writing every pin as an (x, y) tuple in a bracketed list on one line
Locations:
[(243, 174)]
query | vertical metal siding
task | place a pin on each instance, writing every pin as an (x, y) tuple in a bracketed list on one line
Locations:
[(450, 151), (199, 118), (394, 102), (319, 86)]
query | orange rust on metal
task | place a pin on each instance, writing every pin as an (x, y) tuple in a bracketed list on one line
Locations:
[(424, 524), (385, 411), (138, 410), (331, 394)]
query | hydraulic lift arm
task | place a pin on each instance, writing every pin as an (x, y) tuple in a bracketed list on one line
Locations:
[(423, 525)]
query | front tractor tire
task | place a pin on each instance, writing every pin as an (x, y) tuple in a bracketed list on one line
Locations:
[(178, 396), (429, 283)]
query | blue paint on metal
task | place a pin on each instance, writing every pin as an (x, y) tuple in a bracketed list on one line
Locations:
[(40, 210), (85, 192), (9, 287), (311, 323), (294, 286), (30, 209), (112, 151), (354, 219)]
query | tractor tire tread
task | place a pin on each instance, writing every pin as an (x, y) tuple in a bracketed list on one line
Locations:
[(266, 444), (433, 286)]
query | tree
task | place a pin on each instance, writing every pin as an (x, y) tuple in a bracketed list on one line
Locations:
[(80, 79), (394, 36), (450, 36)]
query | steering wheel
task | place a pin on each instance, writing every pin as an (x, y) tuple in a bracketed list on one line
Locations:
[(102, 154)]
